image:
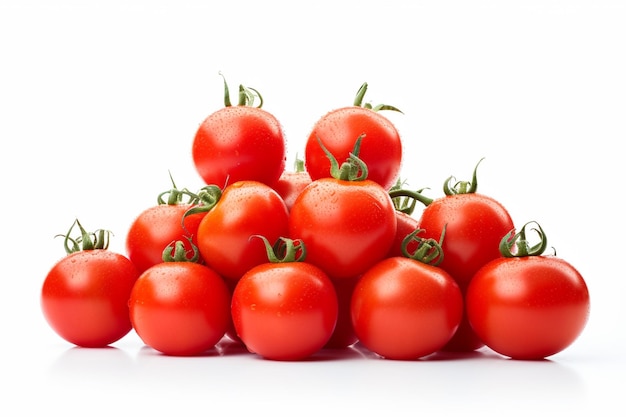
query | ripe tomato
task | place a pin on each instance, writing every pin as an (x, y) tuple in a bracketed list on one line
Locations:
[(154, 229), (403, 308), (343, 336), (284, 310), (291, 183), (84, 297), (180, 307), (528, 305), (245, 208), (474, 224), (239, 143), (406, 223), (347, 221), (381, 149)]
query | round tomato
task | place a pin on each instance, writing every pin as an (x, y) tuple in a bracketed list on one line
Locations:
[(405, 309), (180, 308), (528, 305), (239, 143), (339, 129), (347, 221), (84, 297), (245, 208), (158, 226), (284, 310)]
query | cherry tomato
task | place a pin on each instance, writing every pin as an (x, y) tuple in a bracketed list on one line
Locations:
[(347, 221), (404, 308), (381, 149), (245, 208), (527, 305), (158, 226), (84, 297), (239, 142), (179, 307), (284, 310)]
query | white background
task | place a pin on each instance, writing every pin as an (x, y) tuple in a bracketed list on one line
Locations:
[(99, 100)]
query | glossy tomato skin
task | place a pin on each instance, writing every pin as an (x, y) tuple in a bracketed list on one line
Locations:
[(85, 295), (157, 227), (343, 336), (290, 184), (284, 311), (404, 309), (406, 224), (381, 147), (246, 208), (528, 307), (474, 223), (347, 225), (180, 308), (239, 143)]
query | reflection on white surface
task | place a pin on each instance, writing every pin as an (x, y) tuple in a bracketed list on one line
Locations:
[(349, 379)]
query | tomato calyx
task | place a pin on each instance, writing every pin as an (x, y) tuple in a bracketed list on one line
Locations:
[(404, 202), (462, 187), (517, 244), (86, 240), (358, 101), (176, 196), (176, 252), (353, 169), (204, 200), (428, 251), (284, 250), (247, 96)]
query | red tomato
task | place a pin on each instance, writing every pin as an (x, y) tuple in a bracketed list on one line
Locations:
[(284, 311), (405, 309), (406, 224), (246, 208), (239, 143), (158, 226), (528, 306), (180, 308), (291, 183), (84, 297), (381, 149), (343, 336), (347, 225), (474, 224)]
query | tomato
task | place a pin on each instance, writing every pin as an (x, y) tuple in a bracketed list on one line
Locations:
[(474, 224), (338, 129), (406, 223), (404, 308), (528, 305), (291, 183), (84, 297), (158, 226), (180, 308), (347, 221), (238, 143), (284, 310), (245, 208), (343, 336)]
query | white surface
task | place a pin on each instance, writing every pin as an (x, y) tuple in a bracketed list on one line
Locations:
[(97, 103)]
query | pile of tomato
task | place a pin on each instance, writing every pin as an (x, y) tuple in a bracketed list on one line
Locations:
[(288, 262)]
